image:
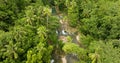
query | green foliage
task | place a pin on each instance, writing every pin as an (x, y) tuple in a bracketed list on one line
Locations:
[(71, 48), (8, 12), (73, 14), (100, 19), (109, 53), (23, 31), (86, 40), (28, 30), (99, 52), (40, 53)]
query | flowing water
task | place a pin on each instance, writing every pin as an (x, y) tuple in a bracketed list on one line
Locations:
[(62, 33)]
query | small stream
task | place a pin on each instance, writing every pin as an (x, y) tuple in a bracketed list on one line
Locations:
[(69, 58)]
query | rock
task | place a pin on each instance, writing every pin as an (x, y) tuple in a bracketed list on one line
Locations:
[(52, 61), (64, 60)]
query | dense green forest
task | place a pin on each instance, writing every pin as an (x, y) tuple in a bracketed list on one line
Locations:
[(30, 29)]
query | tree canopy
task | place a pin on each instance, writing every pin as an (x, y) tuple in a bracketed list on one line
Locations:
[(30, 30)]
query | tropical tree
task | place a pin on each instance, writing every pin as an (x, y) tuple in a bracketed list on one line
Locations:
[(100, 18)]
